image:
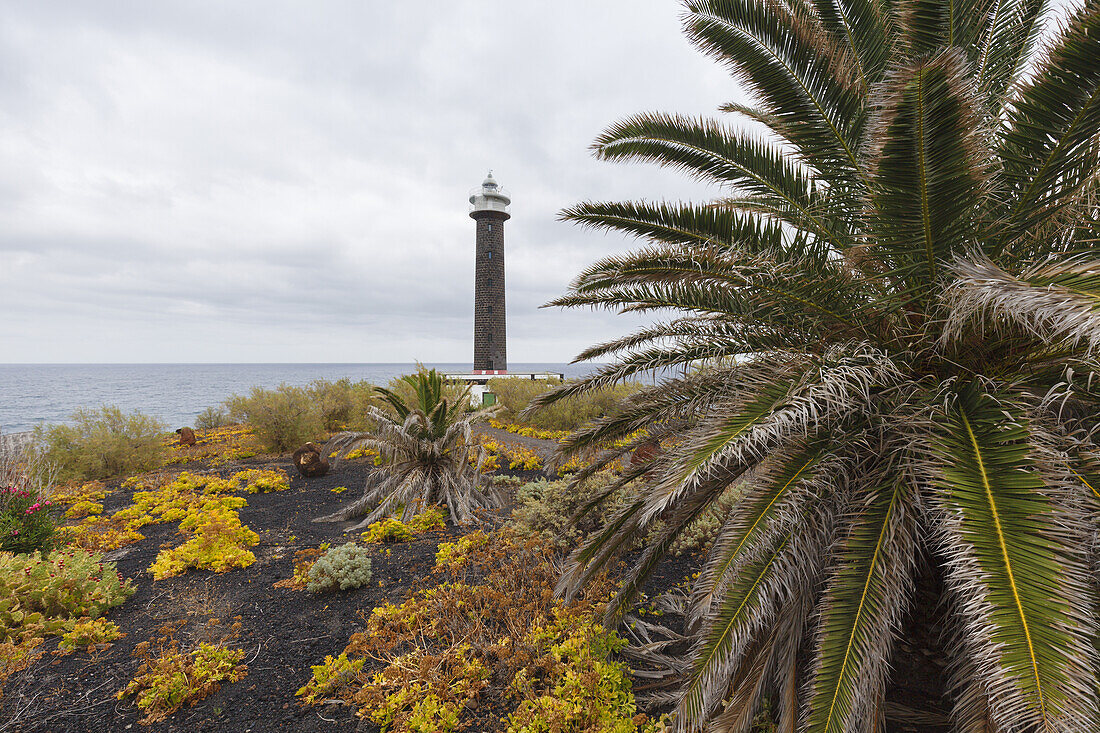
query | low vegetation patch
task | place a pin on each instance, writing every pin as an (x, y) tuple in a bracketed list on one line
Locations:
[(343, 567), (529, 431), (170, 678), (218, 541), (394, 530), (204, 504), (60, 594), (490, 637), (562, 416), (548, 508), (498, 454), (217, 445), (91, 633), (303, 561)]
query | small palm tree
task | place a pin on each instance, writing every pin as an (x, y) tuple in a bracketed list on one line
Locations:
[(895, 309), (425, 445)]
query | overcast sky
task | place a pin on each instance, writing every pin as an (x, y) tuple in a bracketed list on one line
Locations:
[(274, 181)]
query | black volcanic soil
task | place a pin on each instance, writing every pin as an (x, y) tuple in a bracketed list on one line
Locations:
[(283, 631)]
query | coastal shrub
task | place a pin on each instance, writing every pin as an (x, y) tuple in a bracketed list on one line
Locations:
[(27, 468), (344, 404), (283, 418), (699, 535), (343, 567), (212, 417), (548, 508), (169, 678), (27, 520), (504, 639), (567, 414), (103, 443)]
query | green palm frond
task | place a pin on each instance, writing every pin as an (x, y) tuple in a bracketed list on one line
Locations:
[(862, 607), (1004, 557), (789, 69), (748, 606), (862, 27), (928, 167), (682, 224), (714, 154), (769, 502), (1050, 149), (1012, 32)]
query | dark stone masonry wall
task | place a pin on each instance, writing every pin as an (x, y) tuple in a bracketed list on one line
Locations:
[(490, 329)]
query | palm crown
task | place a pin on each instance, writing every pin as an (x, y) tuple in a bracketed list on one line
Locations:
[(894, 313), (426, 449)]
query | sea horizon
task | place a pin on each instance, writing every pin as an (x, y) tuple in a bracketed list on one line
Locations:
[(40, 393)]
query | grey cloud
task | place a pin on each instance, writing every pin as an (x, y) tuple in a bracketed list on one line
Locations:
[(210, 181)]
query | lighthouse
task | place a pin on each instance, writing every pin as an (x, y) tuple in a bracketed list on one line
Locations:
[(489, 208)]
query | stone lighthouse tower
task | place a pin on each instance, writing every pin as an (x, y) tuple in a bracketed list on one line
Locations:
[(489, 208)]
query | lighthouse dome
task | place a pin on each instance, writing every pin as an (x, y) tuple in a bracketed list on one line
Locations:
[(489, 197)]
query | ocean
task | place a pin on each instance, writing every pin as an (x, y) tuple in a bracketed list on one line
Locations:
[(35, 394)]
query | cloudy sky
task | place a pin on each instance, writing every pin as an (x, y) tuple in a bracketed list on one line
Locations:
[(231, 181)]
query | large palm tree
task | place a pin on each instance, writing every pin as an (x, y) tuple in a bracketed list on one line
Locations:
[(896, 311), (425, 442)]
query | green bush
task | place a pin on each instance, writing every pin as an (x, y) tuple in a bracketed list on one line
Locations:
[(102, 443), (212, 417), (546, 508), (282, 418), (344, 403), (699, 535), (346, 566), (567, 414)]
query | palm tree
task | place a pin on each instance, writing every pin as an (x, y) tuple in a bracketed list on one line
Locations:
[(895, 312), (425, 445)]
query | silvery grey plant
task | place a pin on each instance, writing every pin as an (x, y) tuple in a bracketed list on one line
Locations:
[(894, 315), (426, 445)]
